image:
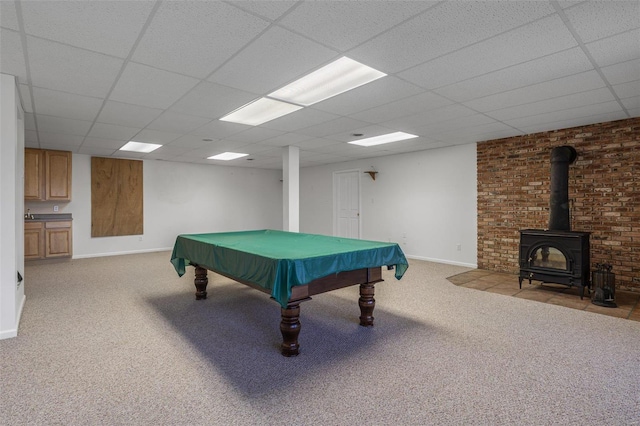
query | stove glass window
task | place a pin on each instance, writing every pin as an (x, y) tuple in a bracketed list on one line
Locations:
[(549, 257)]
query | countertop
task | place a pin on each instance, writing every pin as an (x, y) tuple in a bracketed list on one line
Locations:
[(45, 217)]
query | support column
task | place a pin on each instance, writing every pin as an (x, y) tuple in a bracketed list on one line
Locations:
[(291, 188)]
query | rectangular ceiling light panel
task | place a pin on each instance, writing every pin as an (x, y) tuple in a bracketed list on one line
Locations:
[(260, 111), (226, 156), (331, 80), (379, 140), (140, 147)]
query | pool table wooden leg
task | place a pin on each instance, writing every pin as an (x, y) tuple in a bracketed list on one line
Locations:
[(201, 282), (290, 329), (367, 303)]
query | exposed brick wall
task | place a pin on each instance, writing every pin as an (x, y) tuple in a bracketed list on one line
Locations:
[(604, 193)]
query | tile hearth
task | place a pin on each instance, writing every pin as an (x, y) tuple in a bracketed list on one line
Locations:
[(507, 284)]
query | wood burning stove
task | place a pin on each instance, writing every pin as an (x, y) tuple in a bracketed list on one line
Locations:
[(560, 257), (557, 255)]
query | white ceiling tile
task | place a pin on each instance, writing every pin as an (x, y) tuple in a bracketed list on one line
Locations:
[(29, 121), (12, 55), (25, 97), (253, 135), (156, 136), (286, 139), (300, 119), (341, 124), (632, 103), (67, 105), (8, 16), (52, 64), (47, 123), (623, 72), (569, 3), (212, 100), (174, 122), (110, 144), (368, 131), (59, 146), (423, 119), (219, 129), (282, 57), (151, 87), (443, 29), (559, 103), (407, 106), (96, 151), (112, 131), (129, 155), (194, 38), (572, 61), (582, 82), (634, 112), (168, 151), (619, 48), (627, 90), (269, 9), (60, 139), (314, 143), (567, 114), (612, 17), (379, 92), (31, 138), (466, 123), (344, 25), (92, 22), (127, 115), (190, 142), (539, 39), (573, 122)]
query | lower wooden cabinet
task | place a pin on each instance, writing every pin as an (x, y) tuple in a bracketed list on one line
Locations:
[(33, 240), (45, 240)]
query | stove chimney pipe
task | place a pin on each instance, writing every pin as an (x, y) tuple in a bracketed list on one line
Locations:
[(561, 157)]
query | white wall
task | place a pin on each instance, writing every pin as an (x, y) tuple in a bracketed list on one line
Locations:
[(179, 198), (12, 296), (429, 197)]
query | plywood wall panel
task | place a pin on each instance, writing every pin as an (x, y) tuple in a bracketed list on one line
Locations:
[(116, 197)]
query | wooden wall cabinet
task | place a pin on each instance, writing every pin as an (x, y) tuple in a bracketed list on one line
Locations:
[(47, 175), (46, 240)]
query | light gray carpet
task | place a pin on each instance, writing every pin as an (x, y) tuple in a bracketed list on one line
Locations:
[(122, 341)]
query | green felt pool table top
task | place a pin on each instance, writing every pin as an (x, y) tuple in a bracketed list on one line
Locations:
[(279, 260)]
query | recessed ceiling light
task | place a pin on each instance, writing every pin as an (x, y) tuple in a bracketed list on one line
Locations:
[(226, 156), (379, 140), (337, 77), (140, 147), (260, 111)]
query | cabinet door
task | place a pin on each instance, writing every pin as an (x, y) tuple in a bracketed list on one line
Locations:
[(58, 239), (33, 240), (33, 174), (58, 175)]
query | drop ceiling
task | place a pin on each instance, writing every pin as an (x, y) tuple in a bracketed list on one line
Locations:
[(94, 75)]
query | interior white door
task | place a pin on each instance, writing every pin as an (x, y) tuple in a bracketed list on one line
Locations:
[(346, 198)]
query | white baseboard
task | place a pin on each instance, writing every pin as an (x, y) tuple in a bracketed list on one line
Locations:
[(120, 253), (8, 334), (447, 262)]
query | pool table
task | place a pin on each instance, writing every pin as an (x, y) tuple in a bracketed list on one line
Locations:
[(291, 267)]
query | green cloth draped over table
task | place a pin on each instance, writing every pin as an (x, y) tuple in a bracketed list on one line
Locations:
[(279, 260)]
